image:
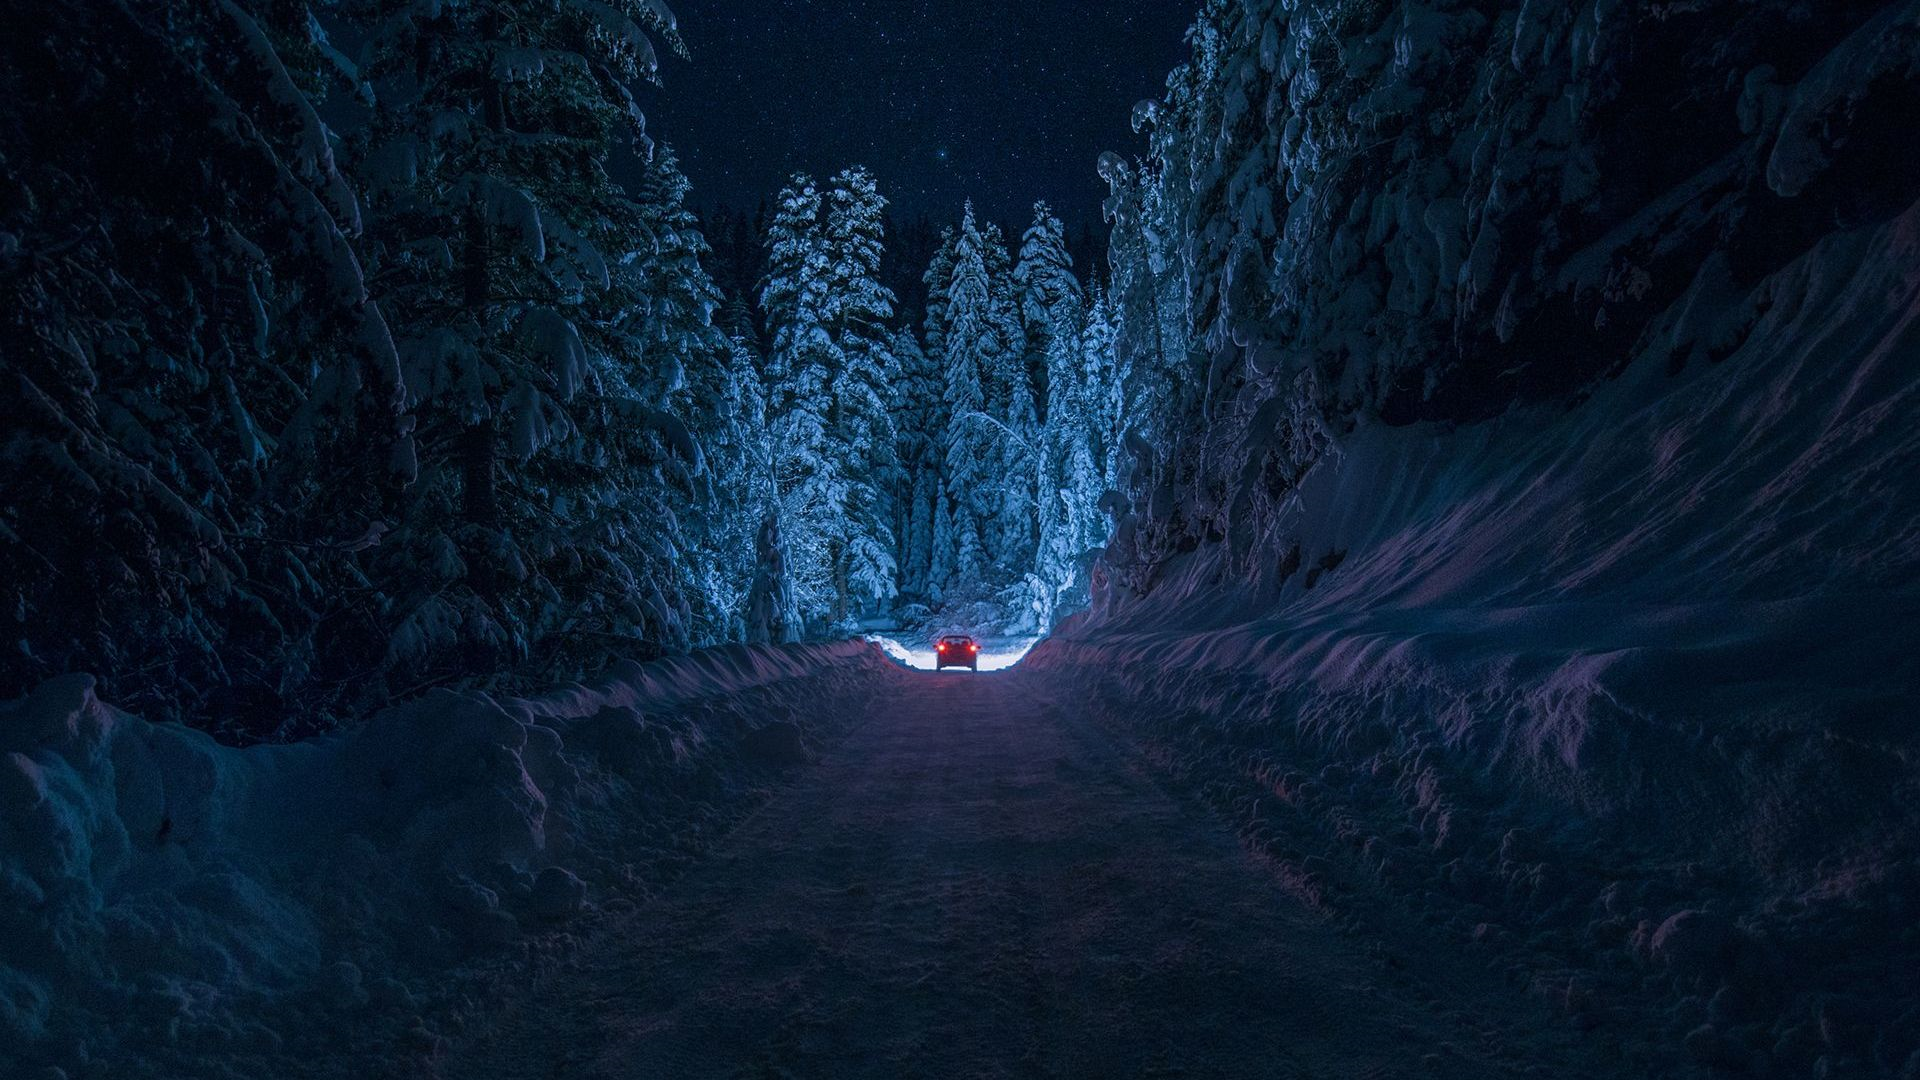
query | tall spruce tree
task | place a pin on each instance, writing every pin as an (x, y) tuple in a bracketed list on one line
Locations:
[(733, 430), (920, 427), (939, 280), (862, 431), (619, 501), (1011, 525), (493, 208), (1071, 482), (727, 411), (973, 449), (810, 488), (1043, 277), (1106, 379), (931, 577), (188, 343)]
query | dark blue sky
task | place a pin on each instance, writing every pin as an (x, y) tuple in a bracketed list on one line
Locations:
[(1003, 101)]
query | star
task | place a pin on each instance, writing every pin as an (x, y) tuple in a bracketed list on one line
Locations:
[(916, 90)]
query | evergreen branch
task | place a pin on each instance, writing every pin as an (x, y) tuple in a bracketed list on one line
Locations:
[(1023, 444)]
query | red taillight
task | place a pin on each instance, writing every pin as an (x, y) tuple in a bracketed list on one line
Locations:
[(942, 646), (975, 648)]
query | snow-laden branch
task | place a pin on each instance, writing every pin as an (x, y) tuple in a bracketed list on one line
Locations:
[(1020, 441)]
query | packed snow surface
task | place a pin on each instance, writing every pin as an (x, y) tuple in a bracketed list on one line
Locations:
[(980, 881)]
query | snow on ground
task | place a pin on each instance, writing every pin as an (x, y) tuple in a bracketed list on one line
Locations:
[(996, 653), (1618, 697), (175, 908), (1621, 693), (977, 880)]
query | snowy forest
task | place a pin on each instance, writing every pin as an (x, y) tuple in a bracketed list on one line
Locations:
[(437, 397), (1449, 547), (947, 467)]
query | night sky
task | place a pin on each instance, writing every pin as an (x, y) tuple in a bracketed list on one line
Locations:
[(1004, 102)]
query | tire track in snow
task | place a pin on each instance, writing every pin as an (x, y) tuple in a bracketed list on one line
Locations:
[(977, 881)]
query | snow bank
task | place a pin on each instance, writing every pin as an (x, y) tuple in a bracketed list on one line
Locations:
[(1621, 692), (174, 907)]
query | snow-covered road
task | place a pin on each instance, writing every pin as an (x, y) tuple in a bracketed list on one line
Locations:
[(978, 880)]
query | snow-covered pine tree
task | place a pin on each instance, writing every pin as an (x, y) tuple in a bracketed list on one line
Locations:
[(1066, 424), (939, 279), (663, 346), (857, 309), (487, 154), (1151, 341), (632, 496), (1044, 274), (1011, 527), (795, 276), (920, 425), (927, 407), (943, 559), (738, 260), (1003, 319), (1043, 277), (1052, 314), (1105, 381), (971, 484), (1072, 483), (810, 487), (773, 612), (732, 428), (202, 397)]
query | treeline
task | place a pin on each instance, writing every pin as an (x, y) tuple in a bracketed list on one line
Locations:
[(333, 372), (1398, 212), (957, 469), (360, 347)]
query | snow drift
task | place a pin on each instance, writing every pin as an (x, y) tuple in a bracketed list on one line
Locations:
[(1533, 506), (1619, 690), (174, 907)]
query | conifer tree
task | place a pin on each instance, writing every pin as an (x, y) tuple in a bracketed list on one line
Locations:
[(928, 568), (415, 430), (617, 505), (809, 485), (972, 454), (492, 209), (1106, 380), (857, 307), (1043, 277), (921, 431), (773, 611), (727, 410), (943, 557), (1010, 525), (939, 280), (189, 342), (1071, 482)]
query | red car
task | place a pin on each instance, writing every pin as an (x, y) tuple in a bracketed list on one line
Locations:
[(956, 650)]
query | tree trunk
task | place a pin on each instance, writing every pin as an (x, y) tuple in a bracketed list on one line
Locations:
[(839, 583), (476, 262), (479, 476), (480, 500), (494, 106), (480, 503)]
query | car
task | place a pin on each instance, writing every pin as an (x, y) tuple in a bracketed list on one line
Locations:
[(956, 650)]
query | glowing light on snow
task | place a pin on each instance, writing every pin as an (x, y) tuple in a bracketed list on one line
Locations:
[(996, 654)]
